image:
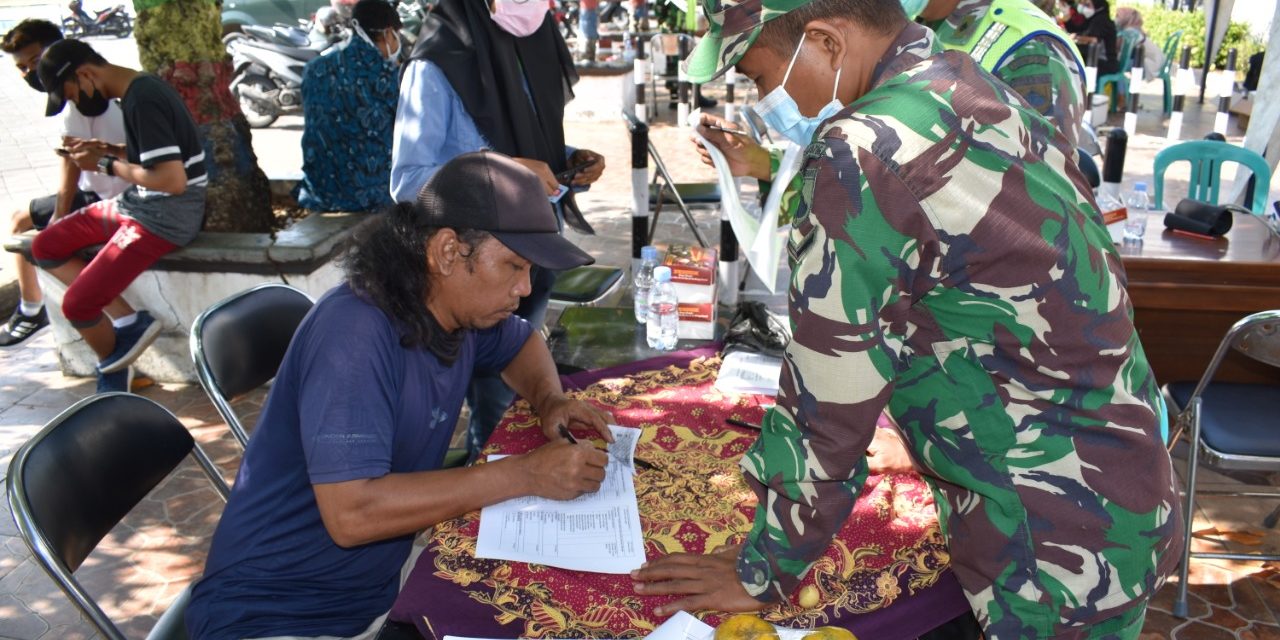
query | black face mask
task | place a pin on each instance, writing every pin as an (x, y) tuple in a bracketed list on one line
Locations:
[(91, 106), (33, 80)]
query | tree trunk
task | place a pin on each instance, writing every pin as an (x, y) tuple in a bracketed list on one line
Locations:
[(181, 41)]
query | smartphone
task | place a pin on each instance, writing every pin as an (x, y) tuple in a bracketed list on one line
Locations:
[(566, 176), (62, 152)]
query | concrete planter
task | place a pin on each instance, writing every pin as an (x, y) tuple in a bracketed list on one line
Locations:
[(186, 282)]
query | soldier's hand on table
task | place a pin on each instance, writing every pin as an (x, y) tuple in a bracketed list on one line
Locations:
[(888, 453), (562, 471), (707, 582), (745, 157), (592, 172), (575, 415), (543, 172)]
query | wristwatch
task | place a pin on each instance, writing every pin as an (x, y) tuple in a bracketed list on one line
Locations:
[(106, 164)]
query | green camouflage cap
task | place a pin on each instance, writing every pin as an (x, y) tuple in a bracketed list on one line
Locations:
[(734, 27)]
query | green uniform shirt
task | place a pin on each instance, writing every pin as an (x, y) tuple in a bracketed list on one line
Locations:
[(948, 266)]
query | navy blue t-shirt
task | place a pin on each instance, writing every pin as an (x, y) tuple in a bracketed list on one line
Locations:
[(348, 403)]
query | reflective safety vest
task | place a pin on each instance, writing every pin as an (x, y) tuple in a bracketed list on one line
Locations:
[(1007, 25)]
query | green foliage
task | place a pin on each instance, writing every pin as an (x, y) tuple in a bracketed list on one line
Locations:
[(1160, 23)]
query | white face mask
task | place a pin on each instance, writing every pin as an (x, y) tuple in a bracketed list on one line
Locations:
[(780, 111), (520, 18), (1087, 12), (392, 57)]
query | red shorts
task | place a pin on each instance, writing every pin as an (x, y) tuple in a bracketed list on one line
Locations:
[(128, 251)]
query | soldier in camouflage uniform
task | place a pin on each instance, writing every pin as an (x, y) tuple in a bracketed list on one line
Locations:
[(947, 266), (1021, 45)]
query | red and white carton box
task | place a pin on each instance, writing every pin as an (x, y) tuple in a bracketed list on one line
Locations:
[(695, 274)]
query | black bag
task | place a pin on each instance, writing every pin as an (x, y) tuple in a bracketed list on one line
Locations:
[(1200, 217), (756, 330)]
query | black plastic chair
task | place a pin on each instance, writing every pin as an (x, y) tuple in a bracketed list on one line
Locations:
[(1232, 427), (239, 343), (1089, 167), (78, 478), (585, 286)]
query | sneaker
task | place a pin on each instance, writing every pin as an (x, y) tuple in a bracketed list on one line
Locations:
[(20, 327), (131, 341), (118, 381)]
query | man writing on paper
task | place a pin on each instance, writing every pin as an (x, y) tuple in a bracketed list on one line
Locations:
[(947, 267), (344, 466)]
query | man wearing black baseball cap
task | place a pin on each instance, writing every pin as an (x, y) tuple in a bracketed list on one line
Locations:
[(345, 463), (162, 209)]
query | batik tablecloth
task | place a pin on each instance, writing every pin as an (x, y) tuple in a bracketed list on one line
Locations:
[(885, 575)]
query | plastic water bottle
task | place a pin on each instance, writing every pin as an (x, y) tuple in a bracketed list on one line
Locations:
[(1135, 225), (644, 281), (664, 315)]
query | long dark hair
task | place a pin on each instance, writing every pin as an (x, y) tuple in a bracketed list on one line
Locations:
[(386, 263)]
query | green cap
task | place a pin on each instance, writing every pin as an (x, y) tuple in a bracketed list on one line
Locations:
[(734, 27)]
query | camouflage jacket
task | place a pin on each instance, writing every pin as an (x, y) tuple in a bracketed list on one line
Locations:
[(1046, 71), (947, 266)]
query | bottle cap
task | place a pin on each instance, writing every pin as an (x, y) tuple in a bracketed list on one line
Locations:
[(1140, 186), (648, 253), (662, 274)]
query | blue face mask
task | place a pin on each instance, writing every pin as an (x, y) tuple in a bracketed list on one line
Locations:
[(780, 111)]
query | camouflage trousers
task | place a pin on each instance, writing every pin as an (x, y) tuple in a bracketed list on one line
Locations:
[(1126, 626)]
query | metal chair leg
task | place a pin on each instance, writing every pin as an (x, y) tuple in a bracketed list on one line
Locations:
[(1188, 514)]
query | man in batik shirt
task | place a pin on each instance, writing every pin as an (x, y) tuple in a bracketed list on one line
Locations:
[(947, 267)]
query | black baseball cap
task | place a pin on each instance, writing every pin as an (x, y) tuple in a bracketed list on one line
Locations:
[(57, 64), (488, 191)]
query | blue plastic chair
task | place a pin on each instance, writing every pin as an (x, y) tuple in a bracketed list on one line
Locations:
[(1206, 158), (1128, 42), (1166, 70)]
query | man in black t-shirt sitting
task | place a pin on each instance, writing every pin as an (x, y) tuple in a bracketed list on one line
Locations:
[(163, 159)]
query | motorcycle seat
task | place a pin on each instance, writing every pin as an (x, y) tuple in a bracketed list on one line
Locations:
[(298, 53)]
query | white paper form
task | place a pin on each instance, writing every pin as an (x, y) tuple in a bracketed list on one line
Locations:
[(598, 532), (756, 228), (681, 626), (745, 372)]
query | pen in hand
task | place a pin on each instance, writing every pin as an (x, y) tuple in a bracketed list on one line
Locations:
[(564, 433), (716, 127)]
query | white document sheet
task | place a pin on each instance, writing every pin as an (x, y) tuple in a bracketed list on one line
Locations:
[(598, 532), (757, 229), (681, 626), (745, 372)]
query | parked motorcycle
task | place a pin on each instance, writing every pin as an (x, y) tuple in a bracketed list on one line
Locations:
[(113, 21), (566, 17), (412, 14), (268, 64), (614, 13)]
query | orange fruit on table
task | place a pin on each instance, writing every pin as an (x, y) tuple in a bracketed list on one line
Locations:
[(830, 633), (745, 627)]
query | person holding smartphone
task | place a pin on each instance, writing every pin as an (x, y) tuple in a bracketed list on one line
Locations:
[(161, 210), (25, 43), (490, 76)]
